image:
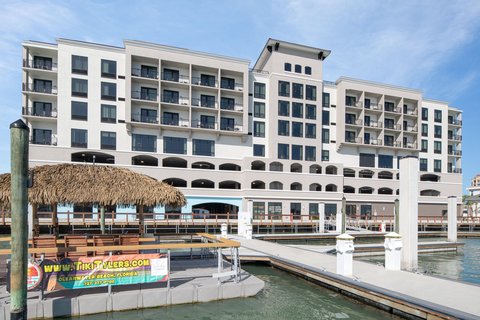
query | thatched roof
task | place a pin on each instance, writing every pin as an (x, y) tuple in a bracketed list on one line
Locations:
[(105, 185)]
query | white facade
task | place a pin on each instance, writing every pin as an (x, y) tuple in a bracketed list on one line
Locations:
[(276, 134)]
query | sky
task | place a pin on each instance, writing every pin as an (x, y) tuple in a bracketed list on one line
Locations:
[(431, 45)]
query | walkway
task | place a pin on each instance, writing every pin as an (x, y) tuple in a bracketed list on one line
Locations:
[(399, 291)]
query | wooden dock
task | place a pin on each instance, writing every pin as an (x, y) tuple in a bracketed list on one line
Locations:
[(403, 293)]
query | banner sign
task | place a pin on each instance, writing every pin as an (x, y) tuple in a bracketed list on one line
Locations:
[(99, 271)]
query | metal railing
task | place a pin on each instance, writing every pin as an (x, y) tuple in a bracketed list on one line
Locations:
[(206, 83), (139, 95), (373, 142), (168, 121), (411, 112), (204, 125), (455, 137), (40, 65), (39, 89), (393, 109), (138, 117), (455, 152), (142, 73), (455, 170), (354, 104), (175, 100), (44, 141), (374, 106), (395, 144), (373, 124), (455, 122), (410, 145), (236, 107), (354, 122), (39, 113), (353, 140), (197, 102), (236, 86), (175, 78), (235, 127), (393, 126), (410, 129)]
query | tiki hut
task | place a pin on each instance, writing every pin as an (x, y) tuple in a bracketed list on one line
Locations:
[(99, 184)]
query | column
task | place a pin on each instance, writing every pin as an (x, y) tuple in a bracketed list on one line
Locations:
[(452, 219)]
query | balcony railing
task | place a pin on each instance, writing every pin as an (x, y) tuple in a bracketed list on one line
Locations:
[(354, 104), (138, 117), (236, 127), (373, 142), (142, 73), (236, 107), (175, 78), (354, 122), (236, 86), (204, 125), (46, 141), (395, 144), (455, 137), (411, 112), (168, 121), (455, 170), (39, 113), (410, 145), (374, 106), (373, 124), (455, 122), (197, 102), (393, 126), (148, 96), (175, 100), (455, 152), (353, 140), (410, 129), (393, 109), (39, 89), (41, 65), (207, 83)]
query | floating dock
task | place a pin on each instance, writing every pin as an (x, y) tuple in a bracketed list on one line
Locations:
[(407, 294)]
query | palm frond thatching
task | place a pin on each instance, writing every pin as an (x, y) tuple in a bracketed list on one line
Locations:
[(105, 185)]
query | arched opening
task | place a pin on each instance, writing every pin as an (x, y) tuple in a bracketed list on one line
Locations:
[(365, 190), (331, 170), (348, 189), (203, 183), (398, 176), (430, 193), (365, 174), (212, 210), (331, 188), (296, 186), (385, 191), (397, 192), (296, 167), (257, 184), (315, 168), (174, 163), (430, 177), (347, 172), (385, 175), (93, 157), (230, 167), (276, 166), (258, 165), (229, 184), (276, 185), (203, 165), (176, 182), (315, 187), (144, 160)]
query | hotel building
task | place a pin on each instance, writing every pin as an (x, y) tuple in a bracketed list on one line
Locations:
[(276, 137)]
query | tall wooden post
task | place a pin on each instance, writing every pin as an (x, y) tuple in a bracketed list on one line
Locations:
[(344, 215), (141, 221), (19, 133), (35, 223), (55, 219), (102, 219)]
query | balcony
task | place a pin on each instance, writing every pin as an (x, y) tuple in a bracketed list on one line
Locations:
[(373, 124), (39, 89), (373, 142), (44, 140), (147, 96), (353, 139), (231, 86), (410, 128), (390, 126), (236, 107), (411, 112), (175, 99), (454, 122), (374, 107), (176, 122), (456, 137), (203, 124), (410, 145), (197, 102), (454, 152), (145, 73), (40, 65), (394, 144), (180, 78), (204, 82), (138, 117), (354, 104), (454, 170), (39, 113), (392, 109), (236, 127)]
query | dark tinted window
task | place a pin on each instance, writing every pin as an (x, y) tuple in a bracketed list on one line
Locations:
[(297, 152), (325, 135), (108, 113), (367, 160), (258, 150), (108, 140), (79, 64), (283, 152), (259, 129), (287, 66), (325, 117), (326, 100), (423, 164), (385, 161), (259, 90), (297, 129), (175, 145), (283, 108), (308, 70), (298, 68), (283, 128), (297, 90), (109, 91), (79, 138), (310, 130), (424, 114), (79, 110), (297, 110), (311, 93), (310, 153), (203, 147), (437, 116), (144, 142), (284, 89), (259, 109), (311, 111), (109, 68), (79, 87)]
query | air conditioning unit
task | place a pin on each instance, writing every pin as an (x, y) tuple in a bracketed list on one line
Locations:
[(183, 80)]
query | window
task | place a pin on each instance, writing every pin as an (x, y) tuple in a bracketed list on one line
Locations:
[(109, 68), (297, 110), (423, 164), (207, 80), (259, 129), (79, 138), (79, 110), (283, 108), (80, 64), (350, 136), (325, 117), (42, 136), (259, 110), (259, 90), (207, 122), (350, 101), (424, 114), (297, 152), (295, 210), (42, 63), (283, 151), (389, 140), (174, 145), (311, 92), (424, 130), (148, 115), (108, 113), (297, 129), (389, 123), (284, 89), (297, 90), (310, 153), (326, 100), (207, 101), (437, 131), (259, 150), (325, 155), (203, 147), (310, 130), (389, 106), (437, 165), (170, 118), (310, 111), (308, 70), (352, 119), (274, 210), (367, 160), (227, 124), (325, 135), (109, 91), (437, 147), (298, 68), (227, 103), (258, 210), (287, 66), (283, 128), (437, 116), (385, 161), (169, 96), (227, 83), (144, 142), (108, 140), (168, 74), (42, 109), (79, 87), (424, 146)]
